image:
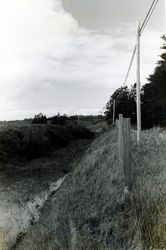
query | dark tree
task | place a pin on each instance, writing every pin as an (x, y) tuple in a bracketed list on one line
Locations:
[(125, 104), (59, 120), (39, 119), (154, 97)]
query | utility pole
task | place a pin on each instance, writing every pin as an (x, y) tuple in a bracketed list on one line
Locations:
[(114, 103), (78, 120), (138, 85), (165, 18)]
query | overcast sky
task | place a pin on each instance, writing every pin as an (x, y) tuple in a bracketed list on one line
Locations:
[(69, 56)]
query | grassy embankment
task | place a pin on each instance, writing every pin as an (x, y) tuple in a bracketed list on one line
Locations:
[(88, 212), (33, 158)]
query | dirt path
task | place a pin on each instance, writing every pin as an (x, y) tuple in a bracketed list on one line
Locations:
[(40, 235), (23, 216), (24, 189)]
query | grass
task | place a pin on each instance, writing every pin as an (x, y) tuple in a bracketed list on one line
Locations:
[(23, 188), (88, 212), (89, 203), (22, 143), (149, 188)]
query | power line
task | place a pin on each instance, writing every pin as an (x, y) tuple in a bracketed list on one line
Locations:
[(148, 16), (139, 33), (145, 22), (148, 13), (130, 65), (131, 62)]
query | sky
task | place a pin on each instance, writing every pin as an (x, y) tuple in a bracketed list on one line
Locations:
[(69, 56)]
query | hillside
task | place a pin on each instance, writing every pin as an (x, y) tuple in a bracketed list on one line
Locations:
[(88, 210), (34, 160), (24, 143)]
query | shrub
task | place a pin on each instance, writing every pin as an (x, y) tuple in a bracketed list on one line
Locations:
[(59, 120), (39, 119), (80, 132), (36, 140)]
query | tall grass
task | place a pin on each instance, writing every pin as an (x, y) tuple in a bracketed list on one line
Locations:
[(90, 204), (89, 212), (149, 161)]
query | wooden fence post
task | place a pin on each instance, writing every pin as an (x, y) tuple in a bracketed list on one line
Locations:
[(121, 140), (125, 156)]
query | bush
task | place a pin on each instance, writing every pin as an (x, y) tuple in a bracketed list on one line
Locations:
[(80, 132), (59, 120), (39, 119), (33, 141)]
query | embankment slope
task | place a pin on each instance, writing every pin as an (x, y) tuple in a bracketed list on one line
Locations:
[(88, 212)]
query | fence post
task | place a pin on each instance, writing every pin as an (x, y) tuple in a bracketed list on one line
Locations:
[(121, 140), (125, 156), (114, 107)]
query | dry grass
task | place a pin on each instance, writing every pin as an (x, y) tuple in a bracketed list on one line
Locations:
[(92, 199), (3, 239), (149, 161), (24, 187), (89, 213)]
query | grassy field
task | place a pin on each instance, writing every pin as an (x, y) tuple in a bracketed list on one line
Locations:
[(88, 211), (34, 160)]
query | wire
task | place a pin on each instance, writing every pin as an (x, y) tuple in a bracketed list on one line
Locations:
[(127, 75), (148, 16), (145, 22), (130, 65)]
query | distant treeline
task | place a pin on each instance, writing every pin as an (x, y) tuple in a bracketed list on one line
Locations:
[(64, 119), (153, 98), (58, 119)]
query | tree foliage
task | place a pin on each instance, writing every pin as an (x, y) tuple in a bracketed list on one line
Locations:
[(125, 104), (39, 119), (153, 98), (59, 119)]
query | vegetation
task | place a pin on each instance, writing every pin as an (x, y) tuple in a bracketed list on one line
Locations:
[(39, 119), (125, 104), (88, 211), (154, 95), (59, 119), (32, 141), (153, 98)]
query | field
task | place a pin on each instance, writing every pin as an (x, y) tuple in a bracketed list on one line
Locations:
[(74, 198), (33, 161)]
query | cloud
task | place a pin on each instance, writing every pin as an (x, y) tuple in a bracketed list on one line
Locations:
[(49, 63), (30, 30), (106, 14)]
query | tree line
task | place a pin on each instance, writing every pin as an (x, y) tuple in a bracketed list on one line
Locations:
[(64, 119), (153, 98)]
